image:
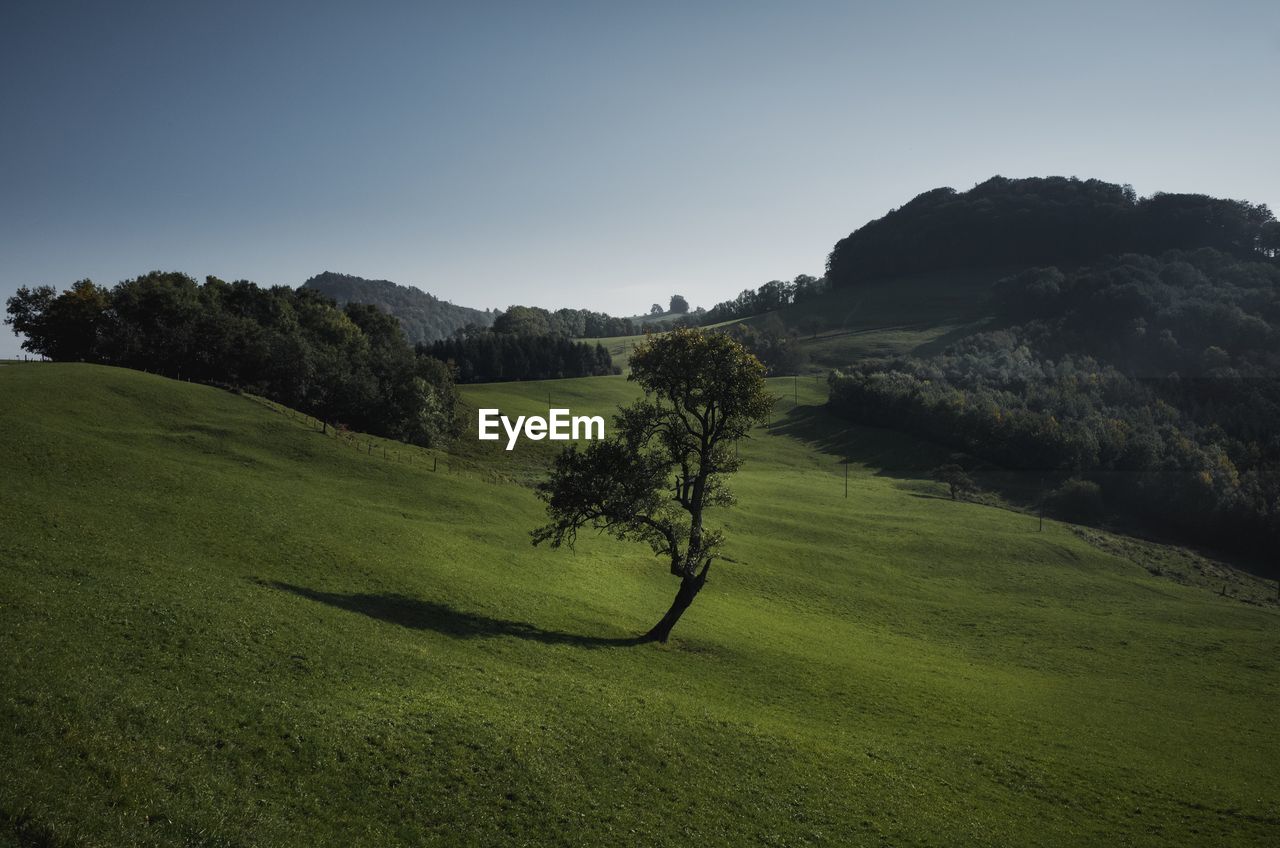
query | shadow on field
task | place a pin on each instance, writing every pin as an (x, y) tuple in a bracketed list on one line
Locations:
[(442, 618), (894, 454), (904, 457)]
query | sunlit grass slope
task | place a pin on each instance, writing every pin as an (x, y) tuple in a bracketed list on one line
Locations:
[(620, 348), (221, 628)]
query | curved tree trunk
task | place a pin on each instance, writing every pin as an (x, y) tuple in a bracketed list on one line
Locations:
[(689, 588)]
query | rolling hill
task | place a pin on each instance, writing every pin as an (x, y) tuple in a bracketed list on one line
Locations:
[(424, 317), (221, 626)]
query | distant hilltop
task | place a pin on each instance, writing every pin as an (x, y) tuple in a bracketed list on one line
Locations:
[(1062, 221), (425, 318)]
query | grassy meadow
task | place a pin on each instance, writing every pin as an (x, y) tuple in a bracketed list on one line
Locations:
[(221, 627)]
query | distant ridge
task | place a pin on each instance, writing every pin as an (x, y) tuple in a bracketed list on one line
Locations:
[(425, 318)]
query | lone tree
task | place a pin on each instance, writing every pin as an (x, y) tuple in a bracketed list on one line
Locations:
[(955, 478), (667, 459), (679, 305)]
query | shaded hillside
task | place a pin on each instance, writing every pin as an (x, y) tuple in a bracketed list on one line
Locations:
[(911, 314), (1040, 221), (425, 318), (1155, 381)]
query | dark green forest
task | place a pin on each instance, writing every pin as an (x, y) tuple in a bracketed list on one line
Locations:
[(1015, 223), (488, 356), (350, 366), (1138, 386)]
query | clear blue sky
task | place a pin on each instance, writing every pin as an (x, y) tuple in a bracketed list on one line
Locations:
[(600, 155)]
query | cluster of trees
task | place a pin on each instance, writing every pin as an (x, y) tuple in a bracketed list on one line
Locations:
[(573, 323), (1151, 384), (678, 305), (424, 317), (519, 347), (772, 342), (774, 294), (687, 317), (1045, 221), (350, 366)]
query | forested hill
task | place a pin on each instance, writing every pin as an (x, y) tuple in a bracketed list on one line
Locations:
[(1005, 223), (1129, 357), (425, 318)]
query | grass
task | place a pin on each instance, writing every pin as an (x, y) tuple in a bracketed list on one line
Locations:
[(871, 319), (620, 348), (222, 627), (875, 319)]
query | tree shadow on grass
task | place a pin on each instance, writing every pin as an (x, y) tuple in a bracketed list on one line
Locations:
[(442, 618), (901, 456), (896, 454), (891, 453)]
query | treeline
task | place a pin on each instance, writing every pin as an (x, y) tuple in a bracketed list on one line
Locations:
[(774, 294), (487, 356), (1149, 384), (1045, 221), (348, 366), (574, 323)]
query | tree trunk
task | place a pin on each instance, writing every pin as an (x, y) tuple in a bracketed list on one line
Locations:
[(689, 588)]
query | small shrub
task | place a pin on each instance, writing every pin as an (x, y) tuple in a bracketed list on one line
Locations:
[(1078, 500)]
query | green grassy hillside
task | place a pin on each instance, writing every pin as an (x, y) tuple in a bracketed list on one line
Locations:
[(914, 314), (220, 627), (620, 348), (888, 317)]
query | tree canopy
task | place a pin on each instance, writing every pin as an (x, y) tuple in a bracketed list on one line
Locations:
[(483, 356), (774, 294), (667, 459), (1044, 221)]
